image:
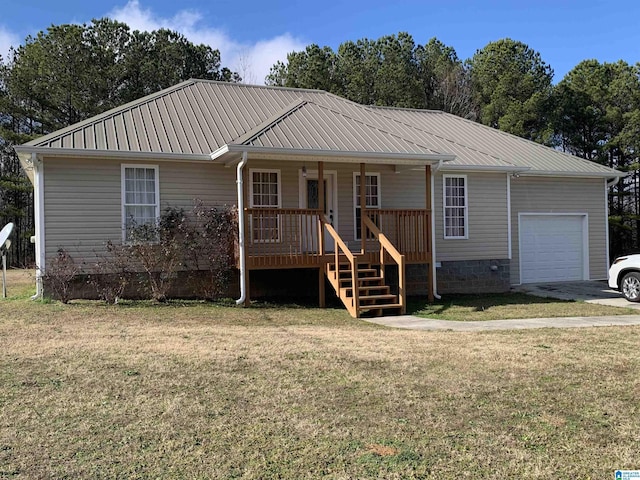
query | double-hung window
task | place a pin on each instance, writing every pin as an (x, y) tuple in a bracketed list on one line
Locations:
[(455, 204), (140, 197), (372, 197), (265, 193)]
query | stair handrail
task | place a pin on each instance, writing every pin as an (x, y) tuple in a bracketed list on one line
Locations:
[(387, 246), (340, 246)]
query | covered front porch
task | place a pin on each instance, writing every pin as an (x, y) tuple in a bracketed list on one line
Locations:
[(364, 260)]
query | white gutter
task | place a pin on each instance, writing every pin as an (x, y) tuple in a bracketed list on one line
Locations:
[(433, 232), (88, 153), (241, 232), (486, 168), (558, 173), (38, 207), (613, 182), (417, 159)]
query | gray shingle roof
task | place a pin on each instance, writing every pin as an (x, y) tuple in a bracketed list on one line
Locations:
[(198, 117)]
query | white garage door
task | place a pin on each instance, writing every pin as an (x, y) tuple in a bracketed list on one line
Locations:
[(551, 248)]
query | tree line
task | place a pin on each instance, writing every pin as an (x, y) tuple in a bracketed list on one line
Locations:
[(69, 73), (72, 72), (593, 112)]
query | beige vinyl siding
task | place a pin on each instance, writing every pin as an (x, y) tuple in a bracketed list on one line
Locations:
[(83, 200), (562, 195), (83, 206), (487, 227)]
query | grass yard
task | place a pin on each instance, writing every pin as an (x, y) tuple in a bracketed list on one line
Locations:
[(506, 306), (198, 391)]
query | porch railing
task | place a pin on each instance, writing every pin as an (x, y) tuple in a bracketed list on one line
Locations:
[(282, 237), (408, 230), (342, 251), (388, 250)]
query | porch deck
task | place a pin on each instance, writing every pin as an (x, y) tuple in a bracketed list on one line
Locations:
[(298, 238)]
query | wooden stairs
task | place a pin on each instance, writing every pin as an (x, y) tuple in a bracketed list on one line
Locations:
[(372, 295)]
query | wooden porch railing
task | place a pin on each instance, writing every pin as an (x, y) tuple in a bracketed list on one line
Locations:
[(341, 248), (283, 237), (387, 250), (408, 230)]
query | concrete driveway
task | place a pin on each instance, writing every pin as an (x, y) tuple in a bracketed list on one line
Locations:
[(587, 291)]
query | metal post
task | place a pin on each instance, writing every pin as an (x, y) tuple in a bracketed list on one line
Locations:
[(4, 275), (428, 234), (363, 207)]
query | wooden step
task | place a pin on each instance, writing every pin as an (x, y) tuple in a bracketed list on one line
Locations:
[(374, 296), (370, 279), (347, 271), (347, 266), (366, 291), (383, 289), (363, 282), (387, 306), (384, 296)]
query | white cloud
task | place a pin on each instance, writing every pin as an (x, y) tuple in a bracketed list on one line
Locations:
[(251, 60), (8, 39)]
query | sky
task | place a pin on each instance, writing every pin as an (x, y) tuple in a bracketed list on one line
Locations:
[(252, 35)]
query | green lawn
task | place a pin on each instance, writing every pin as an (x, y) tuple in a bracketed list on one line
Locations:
[(507, 306), (190, 390)]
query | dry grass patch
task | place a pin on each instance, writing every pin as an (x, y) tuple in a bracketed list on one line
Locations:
[(89, 391), (508, 306)]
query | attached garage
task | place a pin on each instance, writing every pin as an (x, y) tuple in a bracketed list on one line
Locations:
[(553, 247)]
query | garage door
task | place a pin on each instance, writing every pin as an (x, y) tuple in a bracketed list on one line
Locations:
[(551, 248)]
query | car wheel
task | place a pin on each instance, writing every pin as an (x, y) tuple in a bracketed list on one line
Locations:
[(631, 286)]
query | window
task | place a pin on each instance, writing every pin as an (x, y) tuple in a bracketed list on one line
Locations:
[(455, 206), (372, 196), (265, 193), (140, 192)]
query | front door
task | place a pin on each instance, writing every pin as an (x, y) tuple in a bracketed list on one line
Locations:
[(310, 199)]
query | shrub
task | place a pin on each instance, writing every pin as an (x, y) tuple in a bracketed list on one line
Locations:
[(200, 242), (215, 234), (156, 249), (111, 273), (60, 274)]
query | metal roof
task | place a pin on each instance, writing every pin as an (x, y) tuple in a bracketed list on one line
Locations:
[(198, 117), (509, 148)]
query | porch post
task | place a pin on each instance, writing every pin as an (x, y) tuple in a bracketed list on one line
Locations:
[(321, 193), (363, 205), (321, 186), (427, 230)]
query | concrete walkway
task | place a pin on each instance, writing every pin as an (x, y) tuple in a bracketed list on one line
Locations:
[(412, 322), (588, 291)]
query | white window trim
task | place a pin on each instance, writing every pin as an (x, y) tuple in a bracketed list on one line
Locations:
[(265, 170), (466, 208), (355, 199), (123, 192), (252, 205)]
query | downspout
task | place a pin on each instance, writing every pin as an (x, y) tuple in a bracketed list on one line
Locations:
[(38, 210), (241, 232), (608, 185), (433, 232)]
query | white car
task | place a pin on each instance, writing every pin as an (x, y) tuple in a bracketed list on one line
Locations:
[(624, 275)]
